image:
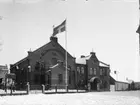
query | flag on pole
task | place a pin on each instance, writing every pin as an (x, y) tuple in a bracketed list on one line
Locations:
[(60, 28)]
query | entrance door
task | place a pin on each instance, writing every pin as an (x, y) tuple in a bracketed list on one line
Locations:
[(94, 84)]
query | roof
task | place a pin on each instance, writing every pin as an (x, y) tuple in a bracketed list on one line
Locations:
[(112, 80), (83, 59), (42, 48), (102, 64)]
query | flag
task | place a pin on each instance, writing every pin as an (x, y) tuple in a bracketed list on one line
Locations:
[(60, 28), (138, 31)]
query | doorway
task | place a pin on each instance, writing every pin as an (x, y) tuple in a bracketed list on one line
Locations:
[(94, 83)]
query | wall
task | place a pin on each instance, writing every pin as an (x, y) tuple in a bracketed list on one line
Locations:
[(121, 86)]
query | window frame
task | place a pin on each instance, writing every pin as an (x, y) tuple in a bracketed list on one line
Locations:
[(90, 71), (78, 69), (82, 70), (95, 71)]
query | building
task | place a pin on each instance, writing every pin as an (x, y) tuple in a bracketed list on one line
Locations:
[(119, 85), (3, 72), (92, 73), (137, 85), (46, 65)]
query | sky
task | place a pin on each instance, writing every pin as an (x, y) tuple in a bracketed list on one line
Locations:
[(107, 27)]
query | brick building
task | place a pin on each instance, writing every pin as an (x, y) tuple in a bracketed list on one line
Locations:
[(46, 65), (92, 73)]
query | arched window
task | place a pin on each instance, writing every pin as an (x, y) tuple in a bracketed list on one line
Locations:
[(94, 71), (78, 70), (90, 71), (82, 70), (101, 72)]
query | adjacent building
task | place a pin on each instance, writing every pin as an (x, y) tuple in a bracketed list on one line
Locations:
[(92, 73)]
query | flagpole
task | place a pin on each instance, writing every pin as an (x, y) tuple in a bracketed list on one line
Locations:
[(66, 55)]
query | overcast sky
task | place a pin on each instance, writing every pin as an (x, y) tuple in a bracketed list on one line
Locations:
[(106, 26)]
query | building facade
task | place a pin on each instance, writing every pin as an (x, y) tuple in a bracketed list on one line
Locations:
[(45, 65), (92, 73), (3, 72)]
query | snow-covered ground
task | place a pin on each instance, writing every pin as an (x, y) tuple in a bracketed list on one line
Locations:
[(91, 98)]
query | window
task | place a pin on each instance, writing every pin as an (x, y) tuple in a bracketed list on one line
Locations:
[(78, 70), (60, 78), (101, 72), (82, 70), (94, 71), (90, 71)]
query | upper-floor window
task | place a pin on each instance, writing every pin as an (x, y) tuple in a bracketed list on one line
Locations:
[(94, 71), (90, 71), (78, 69), (82, 70), (101, 72), (105, 72)]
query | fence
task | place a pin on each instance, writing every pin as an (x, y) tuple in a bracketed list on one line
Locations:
[(12, 90), (50, 89), (34, 89)]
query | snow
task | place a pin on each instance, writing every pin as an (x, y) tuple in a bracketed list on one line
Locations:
[(91, 98)]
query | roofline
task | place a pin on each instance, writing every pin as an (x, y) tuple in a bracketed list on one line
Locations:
[(20, 61), (122, 82), (104, 63), (80, 64), (38, 49)]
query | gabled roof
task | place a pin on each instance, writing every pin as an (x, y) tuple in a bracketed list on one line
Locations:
[(102, 64), (42, 48), (83, 59)]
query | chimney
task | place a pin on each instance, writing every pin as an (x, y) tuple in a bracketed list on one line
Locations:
[(92, 53), (82, 56), (54, 39), (30, 53)]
